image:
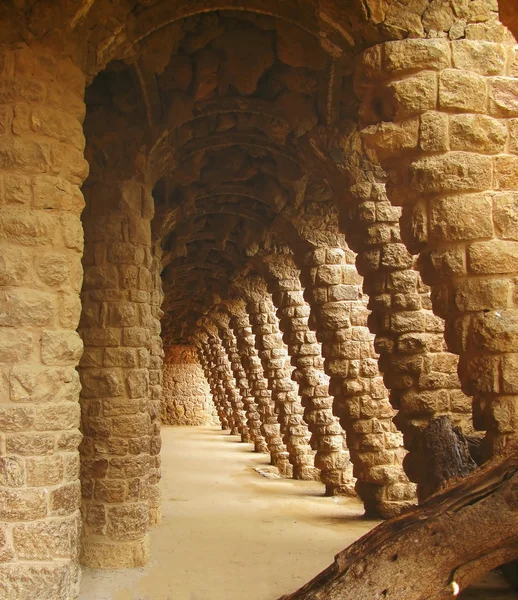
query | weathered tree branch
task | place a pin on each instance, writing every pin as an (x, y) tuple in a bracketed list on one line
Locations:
[(433, 550)]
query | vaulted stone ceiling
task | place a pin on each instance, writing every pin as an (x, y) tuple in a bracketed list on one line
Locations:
[(239, 113)]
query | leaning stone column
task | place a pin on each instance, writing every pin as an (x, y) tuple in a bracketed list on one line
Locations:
[(41, 242), (441, 117), (270, 428), (274, 355), (222, 320), (360, 398), (222, 367), (327, 436), (115, 398), (218, 398), (420, 374)]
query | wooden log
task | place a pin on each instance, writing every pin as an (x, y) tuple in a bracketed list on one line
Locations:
[(435, 549), (447, 455)]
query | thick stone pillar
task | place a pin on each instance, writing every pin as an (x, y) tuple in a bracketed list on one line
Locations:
[(253, 420), (274, 355), (441, 116), (327, 436), (41, 241), (218, 397), (420, 375), (224, 373), (270, 428), (339, 315), (118, 409)]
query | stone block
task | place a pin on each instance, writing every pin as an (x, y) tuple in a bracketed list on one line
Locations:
[(109, 491), (48, 416), (463, 91), (453, 172), (405, 98), (47, 540), (495, 331), (477, 133), (66, 499), (433, 132), (30, 444), (97, 383), (12, 471), (415, 54), (458, 218), (18, 190), (44, 471), (493, 257), (506, 172), (485, 58), (61, 347), (22, 504), (131, 425), (481, 294), (44, 582), (505, 215), (35, 228), (16, 418), (128, 522), (503, 97), (509, 366)]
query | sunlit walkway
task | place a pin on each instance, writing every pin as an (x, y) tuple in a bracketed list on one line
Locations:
[(228, 533)]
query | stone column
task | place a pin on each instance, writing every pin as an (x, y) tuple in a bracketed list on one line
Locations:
[(339, 314), (222, 367), (327, 436), (441, 116), (218, 398), (41, 241), (222, 320), (118, 331), (420, 374), (274, 355), (270, 428)]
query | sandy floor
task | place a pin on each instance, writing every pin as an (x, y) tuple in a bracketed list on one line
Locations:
[(228, 533)]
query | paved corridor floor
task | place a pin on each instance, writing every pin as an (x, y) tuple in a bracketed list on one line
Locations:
[(227, 532)]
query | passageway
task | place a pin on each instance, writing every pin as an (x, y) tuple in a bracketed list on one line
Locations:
[(231, 530), (227, 532)]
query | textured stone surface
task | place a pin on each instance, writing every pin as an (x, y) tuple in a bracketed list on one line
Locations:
[(186, 396), (214, 140)]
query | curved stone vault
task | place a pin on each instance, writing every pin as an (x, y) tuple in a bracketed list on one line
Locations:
[(299, 216)]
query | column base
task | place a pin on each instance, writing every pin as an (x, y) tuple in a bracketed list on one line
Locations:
[(58, 580), (98, 554), (306, 473), (261, 447), (343, 489)]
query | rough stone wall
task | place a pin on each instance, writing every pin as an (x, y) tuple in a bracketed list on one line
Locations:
[(186, 397)]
